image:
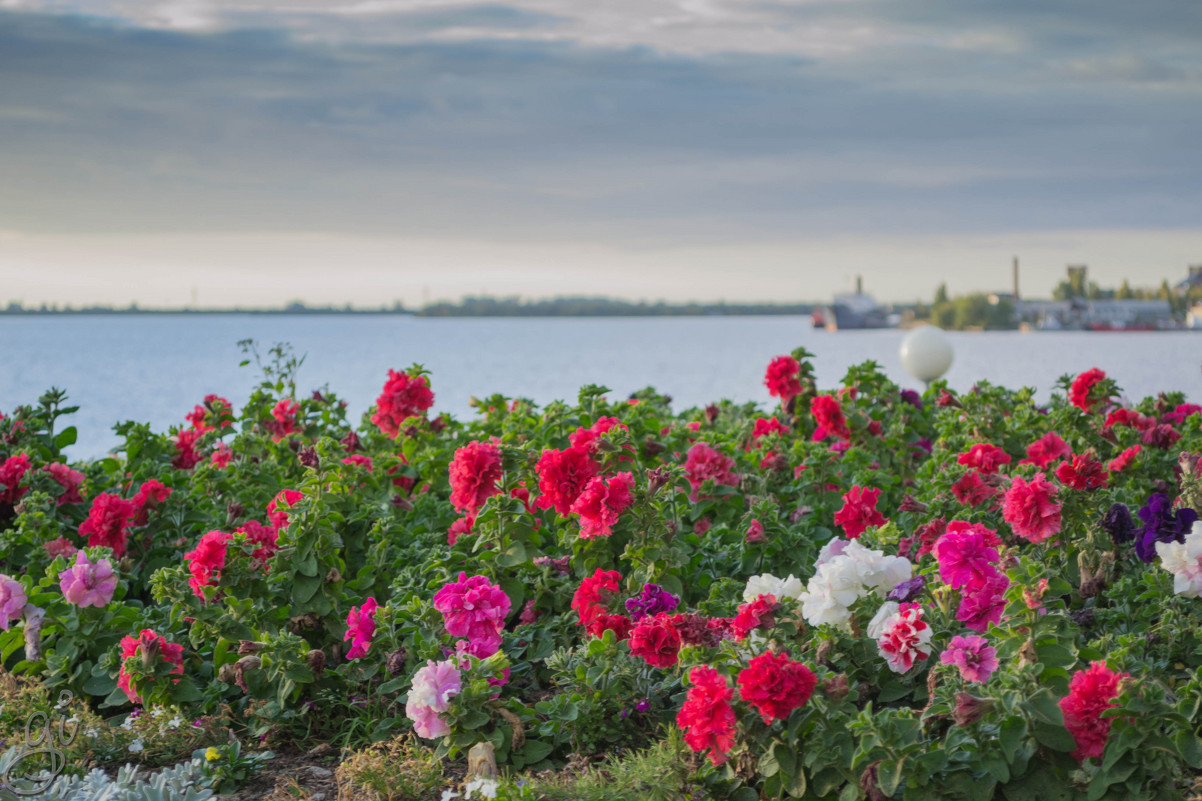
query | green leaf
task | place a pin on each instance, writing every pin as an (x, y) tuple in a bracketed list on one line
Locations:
[(1054, 655), (512, 556), (66, 437), (889, 774), (1012, 732), (304, 588), (1055, 737), (100, 685), (1046, 708), (185, 692), (768, 765), (535, 751)]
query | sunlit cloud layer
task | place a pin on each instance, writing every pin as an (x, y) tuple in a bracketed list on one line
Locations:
[(617, 129)]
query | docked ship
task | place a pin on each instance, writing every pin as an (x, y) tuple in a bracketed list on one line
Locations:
[(856, 311)]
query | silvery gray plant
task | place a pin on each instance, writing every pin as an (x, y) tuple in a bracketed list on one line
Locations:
[(184, 782)]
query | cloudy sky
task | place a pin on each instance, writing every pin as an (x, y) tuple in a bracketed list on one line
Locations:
[(366, 151)]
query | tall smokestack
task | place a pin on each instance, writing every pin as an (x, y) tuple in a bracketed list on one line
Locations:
[(1016, 279)]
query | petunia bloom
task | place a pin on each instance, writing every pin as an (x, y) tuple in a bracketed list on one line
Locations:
[(88, 583), (973, 655), (1031, 510)]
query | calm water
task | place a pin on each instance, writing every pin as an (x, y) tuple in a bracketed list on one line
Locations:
[(155, 369)]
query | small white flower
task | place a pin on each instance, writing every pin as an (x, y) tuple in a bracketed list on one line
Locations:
[(768, 584), (154, 713), (175, 722), (136, 746), (91, 733), (449, 795), (128, 724), (487, 788)]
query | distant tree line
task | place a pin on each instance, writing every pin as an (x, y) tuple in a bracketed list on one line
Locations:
[(600, 307)]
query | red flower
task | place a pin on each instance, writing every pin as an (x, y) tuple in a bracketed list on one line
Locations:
[(757, 614), (706, 464), (186, 456), (1129, 417), (985, 457), (1079, 394), (592, 597), (1124, 459), (265, 537), (215, 413), (276, 510), (206, 561), (765, 426), (1162, 436), (829, 416), (706, 716), (776, 685), (1090, 693), (656, 640), (12, 472), (403, 396), (586, 438), (600, 504), (1046, 450), (859, 511), (1031, 510), (474, 473), (782, 378), (70, 480), (147, 645), (108, 522), (1084, 472), (283, 420), (359, 459), (460, 527), (562, 476), (972, 491), (150, 494)]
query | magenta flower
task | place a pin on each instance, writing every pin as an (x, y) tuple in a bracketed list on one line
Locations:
[(88, 583), (12, 600), (975, 657), (361, 627), (964, 556), (431, 693), (983, 603), (474, 608)]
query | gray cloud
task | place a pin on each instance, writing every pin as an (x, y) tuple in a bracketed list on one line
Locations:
[(934, 116)]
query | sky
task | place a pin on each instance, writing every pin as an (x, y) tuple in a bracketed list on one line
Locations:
[(255, 152)]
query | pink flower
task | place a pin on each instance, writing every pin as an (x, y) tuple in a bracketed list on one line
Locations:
[(859, 511), (983, 602), (221, 456), (600, 504), (59, 546), (766, 426), (474, 608), (828, 414), (755, 533), (706, 464), (973, 655), (361, 627), (276, 510), (433, 688), (147, 645), (972, 491), (88, 583), (12, 600), (359, 459), (70, 480), (186, 456), (905, 638), (1031, 510), (1082, 473), (1047, 449), (965, 555), (150, 494), (586, 438)]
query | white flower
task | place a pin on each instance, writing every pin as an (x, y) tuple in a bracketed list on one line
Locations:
[(486, 787), (128, 723), (175, 722), (835, 547), (449, 795), (137, 745), (876, 627), (1184, 561), (768, 584), (154, 713)]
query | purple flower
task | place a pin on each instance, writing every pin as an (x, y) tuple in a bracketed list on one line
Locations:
[(908, 590), (911, 397), (973, 655), (921, 446), (651, 601), (642, 706), (1118, 524), (1161, 524)]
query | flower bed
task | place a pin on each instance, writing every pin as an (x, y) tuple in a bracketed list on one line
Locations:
[(865, 593)]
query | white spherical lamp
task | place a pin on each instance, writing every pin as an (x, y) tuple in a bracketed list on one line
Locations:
[(926, 353)]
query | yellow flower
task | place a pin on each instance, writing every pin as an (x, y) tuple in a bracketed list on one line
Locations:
[(212, 754)]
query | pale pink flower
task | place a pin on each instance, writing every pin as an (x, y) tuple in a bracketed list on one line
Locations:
[(88, 583), (433, 688)]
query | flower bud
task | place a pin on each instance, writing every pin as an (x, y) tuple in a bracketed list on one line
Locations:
[(350, 442), (249, 647), (836, 687), (316, 661), (711, 413), (870, 785), (395, 661), (656, 480), (912, 504), (969, 709), (333, 576), (308, 458)]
